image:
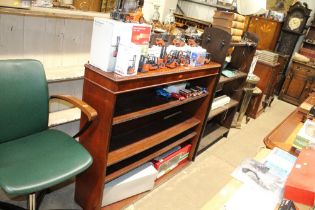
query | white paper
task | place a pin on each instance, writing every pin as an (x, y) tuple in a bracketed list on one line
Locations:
[(280, 163), (250, 7), (251, 198), (254, 173)]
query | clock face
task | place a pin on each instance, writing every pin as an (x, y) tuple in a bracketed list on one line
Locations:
[(295, 23)]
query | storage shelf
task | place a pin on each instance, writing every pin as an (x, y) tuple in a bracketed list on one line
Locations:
[(64, 116), (59, 74), (148, 142), (239, 75), (229, 8), (221, 109), (124, 203), (213, 134), (54, 13), (153, 110), (147, 157)]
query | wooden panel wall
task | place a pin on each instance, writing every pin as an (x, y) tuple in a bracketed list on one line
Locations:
[(55, 42), (58, 43)]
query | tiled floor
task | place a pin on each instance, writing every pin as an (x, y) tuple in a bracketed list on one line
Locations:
[(195, 185)]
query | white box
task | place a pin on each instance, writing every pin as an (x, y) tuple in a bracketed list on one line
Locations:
[(106, 36), (128, 58), (134, 182), (220, 101)]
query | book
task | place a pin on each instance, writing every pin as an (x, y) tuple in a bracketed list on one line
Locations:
[(232, 31), (229, 16), (300, 185), (228, 23), (236, 38)]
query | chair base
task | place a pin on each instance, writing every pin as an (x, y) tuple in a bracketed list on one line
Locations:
[(33, 202)]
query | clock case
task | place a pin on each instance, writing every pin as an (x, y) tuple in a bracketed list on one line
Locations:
[(288, 37)]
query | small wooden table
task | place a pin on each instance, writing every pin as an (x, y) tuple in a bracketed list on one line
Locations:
[(284, 134)]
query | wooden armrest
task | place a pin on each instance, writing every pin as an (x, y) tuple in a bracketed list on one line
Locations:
[(88, 111)]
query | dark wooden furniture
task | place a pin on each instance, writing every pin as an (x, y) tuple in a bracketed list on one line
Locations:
[(293, 27), (268, 76), (267, 30), (279, 137), (134, 125), (309, 40), (299, 83), (244, 52), (283, 59), (220, 119)]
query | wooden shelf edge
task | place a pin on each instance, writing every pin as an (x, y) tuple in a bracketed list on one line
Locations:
[(128, 201), (124, 170), (151, 141), (214, 135), (219, 110), (152, 110), (63, 117), (60, 74), (224, 79), (54, 13)]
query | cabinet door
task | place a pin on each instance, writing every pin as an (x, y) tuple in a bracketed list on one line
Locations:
[(294, 86), (267, 30), (308, 88)]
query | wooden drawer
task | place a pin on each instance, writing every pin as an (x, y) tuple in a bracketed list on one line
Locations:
[(302, 70)]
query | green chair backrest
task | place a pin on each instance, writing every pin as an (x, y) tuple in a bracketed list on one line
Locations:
[(23, 99)]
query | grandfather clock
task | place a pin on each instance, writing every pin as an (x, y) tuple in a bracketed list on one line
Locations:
[(291, 31)]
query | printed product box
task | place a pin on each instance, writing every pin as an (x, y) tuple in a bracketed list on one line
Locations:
[(108, 34)]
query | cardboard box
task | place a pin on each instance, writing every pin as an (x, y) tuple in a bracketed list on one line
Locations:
[(128, 58), (108, 34), (300, 185), (132, 183), (168, 161), (197, 56)]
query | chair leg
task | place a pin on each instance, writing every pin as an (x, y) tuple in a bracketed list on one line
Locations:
[(31, 202)]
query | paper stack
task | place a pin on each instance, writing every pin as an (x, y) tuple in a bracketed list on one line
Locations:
[(306, 136), (231, 22), (267, 57)]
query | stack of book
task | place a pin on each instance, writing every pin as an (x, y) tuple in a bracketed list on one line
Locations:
[(306, 135), (267, 57), (231, 22)]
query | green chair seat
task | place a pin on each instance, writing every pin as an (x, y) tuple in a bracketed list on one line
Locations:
[(39, 161)]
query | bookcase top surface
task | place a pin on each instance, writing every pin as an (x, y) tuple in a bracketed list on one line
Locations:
[(156, 73)]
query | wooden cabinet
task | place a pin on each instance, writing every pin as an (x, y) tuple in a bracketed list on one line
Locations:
[(268, 75), (267, 30), (298, 84), (134, 125)]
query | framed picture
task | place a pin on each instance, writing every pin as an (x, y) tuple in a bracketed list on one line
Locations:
[(279, 5)]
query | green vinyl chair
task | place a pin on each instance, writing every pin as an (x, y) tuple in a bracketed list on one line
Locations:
[(34, 158)]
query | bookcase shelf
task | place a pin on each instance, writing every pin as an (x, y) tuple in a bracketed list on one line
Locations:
[(152, 110), (221, 109), (134, 148), (134, 126), (145, 157), (213, 134)]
